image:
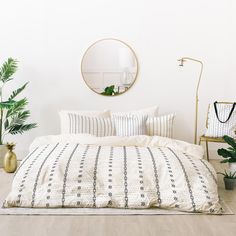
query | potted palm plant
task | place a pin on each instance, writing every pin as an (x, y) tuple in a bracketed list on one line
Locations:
[(229, 180), (229, 154), (13, 112)]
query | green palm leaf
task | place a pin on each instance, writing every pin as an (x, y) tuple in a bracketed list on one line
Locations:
[(230, 153), (19, 129), (18, 106), (230, 141), (7, 104), (17, 119), (8, 69), (17, 91)]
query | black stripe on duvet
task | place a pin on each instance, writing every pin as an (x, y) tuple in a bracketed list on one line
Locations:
[(156, 177), (51, 174), (187, 180), (140, 174), (125, 178), (110, 165), (27, 172), (212, 175), (201, 179), (66, 173), (171, 176), (95, 176), (22, 163), (38, 174), (80, 175)]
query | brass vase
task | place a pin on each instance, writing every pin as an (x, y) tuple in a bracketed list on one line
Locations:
[(10, 160)]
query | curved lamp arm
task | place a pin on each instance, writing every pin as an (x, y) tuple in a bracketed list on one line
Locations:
[(182, 61)]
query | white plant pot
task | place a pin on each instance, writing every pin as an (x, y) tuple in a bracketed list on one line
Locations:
[(3, 151), (232, 167)]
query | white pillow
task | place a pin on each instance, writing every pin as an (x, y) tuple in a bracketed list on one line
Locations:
[(97, 126), (64, 117), (129, 125), (150, 112), (161, 125)]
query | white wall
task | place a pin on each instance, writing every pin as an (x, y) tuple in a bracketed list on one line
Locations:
[(50, 37)]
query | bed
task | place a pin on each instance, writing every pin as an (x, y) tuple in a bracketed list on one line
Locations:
[(135, 172)]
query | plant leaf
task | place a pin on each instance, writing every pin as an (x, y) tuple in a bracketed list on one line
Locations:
[(19, 129), (18, 119), (7, 104), (17, 91), (232, 160), (224, 161), (224, 153), (6, 124), (18, 106), (230, 141), (8, 69), (109, 90)]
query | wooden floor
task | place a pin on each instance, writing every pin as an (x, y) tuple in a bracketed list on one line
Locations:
[(120, 225)]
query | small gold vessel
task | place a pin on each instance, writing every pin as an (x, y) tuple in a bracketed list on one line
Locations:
[(10, 160)]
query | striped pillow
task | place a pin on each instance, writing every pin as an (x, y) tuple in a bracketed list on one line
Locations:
[(130, 125), (65, 122), (98, 126), (161, 125)]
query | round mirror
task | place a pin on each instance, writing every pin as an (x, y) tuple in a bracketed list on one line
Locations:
[(109, 67)]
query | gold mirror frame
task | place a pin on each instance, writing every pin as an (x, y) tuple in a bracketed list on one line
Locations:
[(135, 57)]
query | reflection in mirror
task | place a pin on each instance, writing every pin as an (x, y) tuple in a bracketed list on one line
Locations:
[(109, 67)]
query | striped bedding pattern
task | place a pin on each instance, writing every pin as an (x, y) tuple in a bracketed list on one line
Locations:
[(76, 175), (65, 122), (161, 125), (130, 125), (97, 126)]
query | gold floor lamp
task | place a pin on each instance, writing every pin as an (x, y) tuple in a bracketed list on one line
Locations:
[(182, 60)]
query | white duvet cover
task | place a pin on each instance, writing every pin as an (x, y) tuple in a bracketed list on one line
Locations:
[(116, 172)]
